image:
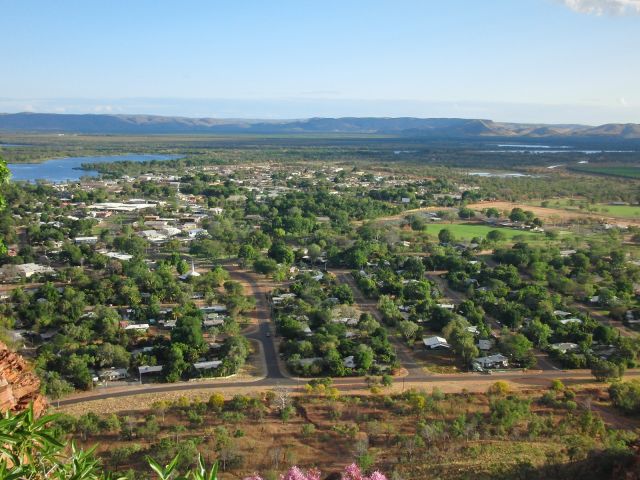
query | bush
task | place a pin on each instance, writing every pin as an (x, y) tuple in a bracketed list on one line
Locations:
[(605, 370), (626, 396), (308, 429), (499, 388)]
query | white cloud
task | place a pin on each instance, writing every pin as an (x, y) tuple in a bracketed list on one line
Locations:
[(604, 7), (103, 109)]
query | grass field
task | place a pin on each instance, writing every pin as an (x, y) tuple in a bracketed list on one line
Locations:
[(616, 171), (622, 211), (466, 231)]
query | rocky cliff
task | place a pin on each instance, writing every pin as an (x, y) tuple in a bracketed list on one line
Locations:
[(19, 385)]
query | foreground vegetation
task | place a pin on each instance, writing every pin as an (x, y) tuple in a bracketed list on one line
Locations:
[(499, 434)]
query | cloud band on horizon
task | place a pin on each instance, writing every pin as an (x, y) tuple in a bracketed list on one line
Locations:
[(604, 7)]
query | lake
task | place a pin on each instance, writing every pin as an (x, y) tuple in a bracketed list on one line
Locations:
[(68, 169)]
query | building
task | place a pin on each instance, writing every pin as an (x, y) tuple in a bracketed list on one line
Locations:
[(349, 362), (433, 343), (119, 256), (492, 361), (210, 365), (137, 326), (564, 347), (113, 374), (565, 321), (485, 344), (85, 240), (26, 270), (191, 273), (144, 369)]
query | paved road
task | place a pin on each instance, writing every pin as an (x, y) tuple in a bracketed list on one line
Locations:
[(347, 383), (262, 314)]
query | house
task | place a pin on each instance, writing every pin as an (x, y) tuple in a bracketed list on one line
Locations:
[(565, 321), (85, 240), (352, 322), (139, 351), (170, 231), (433, 343), (209, 365), (305, 362), (26, 270), (213, 320), (113, 374), (485, 344), (447, 306), (349, 362), (564, 347), (197, 232), (492, 361), (137, 326), (191, 273), (153, 236), (119, 256), (144, 369), (214, 309)]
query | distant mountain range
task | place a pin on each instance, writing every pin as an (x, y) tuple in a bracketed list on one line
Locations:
[(406, 126)]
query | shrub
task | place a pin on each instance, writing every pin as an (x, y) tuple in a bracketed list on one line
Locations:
[(626, 396), (499, 388)]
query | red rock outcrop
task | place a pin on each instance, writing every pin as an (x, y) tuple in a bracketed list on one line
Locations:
[(19, 385)]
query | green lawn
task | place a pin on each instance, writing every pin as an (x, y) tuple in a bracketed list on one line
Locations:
[(616, 171), (466, 231), (622, 211)]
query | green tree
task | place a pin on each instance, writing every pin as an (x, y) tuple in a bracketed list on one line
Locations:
[(364, 357), (408, 329), (281, 253), (188, 329), (604, 370), (175, 365), (446, 236), (626, 396), (496, 236), (518, 348)]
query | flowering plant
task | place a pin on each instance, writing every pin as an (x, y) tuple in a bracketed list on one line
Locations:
[(352, 472)]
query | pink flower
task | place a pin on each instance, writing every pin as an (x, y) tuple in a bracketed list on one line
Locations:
[(296, 474), (377, 476), (353, 472)]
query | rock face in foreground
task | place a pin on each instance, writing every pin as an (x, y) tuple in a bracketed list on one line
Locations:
[(19, 385)]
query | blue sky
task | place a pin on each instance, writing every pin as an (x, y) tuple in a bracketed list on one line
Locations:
[(551, 61)]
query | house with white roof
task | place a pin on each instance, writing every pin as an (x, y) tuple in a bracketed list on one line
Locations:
[(492, 361), (435, 342)]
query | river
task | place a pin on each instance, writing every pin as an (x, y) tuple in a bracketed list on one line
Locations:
[(68, 169)]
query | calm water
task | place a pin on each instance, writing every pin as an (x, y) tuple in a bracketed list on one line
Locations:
[(68, 169)]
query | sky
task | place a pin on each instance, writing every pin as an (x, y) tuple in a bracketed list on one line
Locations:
[(552, 61)]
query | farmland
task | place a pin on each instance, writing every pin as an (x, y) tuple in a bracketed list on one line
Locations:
[(615, 171)]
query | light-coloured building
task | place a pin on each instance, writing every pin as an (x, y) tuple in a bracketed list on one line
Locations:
[(26, 270), (435, 342)]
